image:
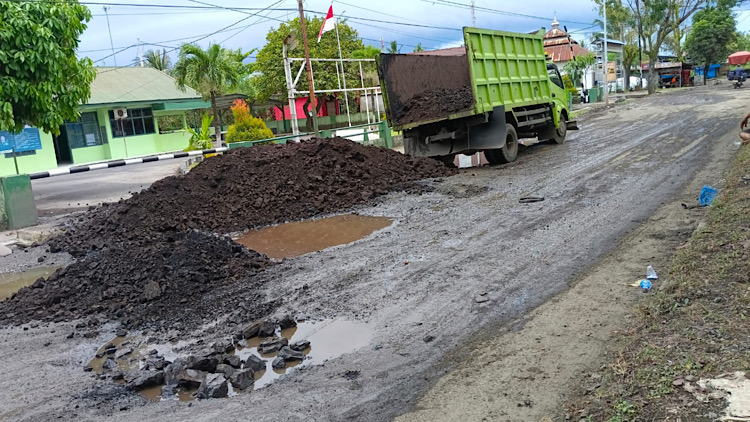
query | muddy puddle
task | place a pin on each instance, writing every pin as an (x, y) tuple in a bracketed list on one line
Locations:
[(301, 237), (13, 282), (328, 339)]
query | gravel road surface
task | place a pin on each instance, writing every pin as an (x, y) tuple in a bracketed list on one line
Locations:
[(458, 261)]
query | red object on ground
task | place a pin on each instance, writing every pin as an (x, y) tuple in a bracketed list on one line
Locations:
[(740, 57)]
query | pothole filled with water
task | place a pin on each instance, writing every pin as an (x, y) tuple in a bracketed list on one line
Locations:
[(328, 339), (301, 237), (124, 360), (12, 282)]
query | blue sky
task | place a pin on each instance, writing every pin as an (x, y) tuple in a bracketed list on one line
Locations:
[(167, 28)]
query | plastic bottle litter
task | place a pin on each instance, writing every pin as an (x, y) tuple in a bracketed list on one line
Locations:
[(707, 195), (650, 273), (645, 285)]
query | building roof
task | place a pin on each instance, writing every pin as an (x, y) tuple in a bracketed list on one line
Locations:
[(559, 46), (123, 85), (565, 52)]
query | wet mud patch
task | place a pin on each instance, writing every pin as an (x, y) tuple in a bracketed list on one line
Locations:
[(288, 240), (462, 190)]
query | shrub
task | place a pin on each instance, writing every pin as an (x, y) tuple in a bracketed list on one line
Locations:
[(246, 127), (568, 84), (202, 140)]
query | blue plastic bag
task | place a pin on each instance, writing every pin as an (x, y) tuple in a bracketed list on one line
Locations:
[(707, 195)]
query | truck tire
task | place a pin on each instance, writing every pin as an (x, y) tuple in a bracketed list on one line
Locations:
[(561, 132), (508, 153)]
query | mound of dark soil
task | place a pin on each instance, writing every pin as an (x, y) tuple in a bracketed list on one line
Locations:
[(148, 259), (436, 104), (159, 281)]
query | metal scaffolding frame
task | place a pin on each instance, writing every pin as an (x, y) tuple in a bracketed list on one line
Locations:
[(292, 91)]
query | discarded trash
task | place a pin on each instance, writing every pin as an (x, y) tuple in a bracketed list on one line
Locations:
[(645, 285), (650, 273), (707, 195), (530, 199)]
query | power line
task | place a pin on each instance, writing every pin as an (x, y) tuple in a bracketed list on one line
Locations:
[(495, 11)]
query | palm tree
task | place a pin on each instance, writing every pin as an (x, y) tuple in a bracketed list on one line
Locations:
[(418, 48), (159, 60), (394, 48), (210, 72)]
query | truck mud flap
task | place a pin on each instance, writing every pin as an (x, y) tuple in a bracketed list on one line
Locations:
[(572, 125)]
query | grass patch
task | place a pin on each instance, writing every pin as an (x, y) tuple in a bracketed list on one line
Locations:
[(695, 326)]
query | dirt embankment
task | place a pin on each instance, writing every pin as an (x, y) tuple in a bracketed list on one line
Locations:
[(147, 259), (694, 328)]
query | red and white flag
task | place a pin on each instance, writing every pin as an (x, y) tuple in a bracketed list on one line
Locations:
[(327, 24)]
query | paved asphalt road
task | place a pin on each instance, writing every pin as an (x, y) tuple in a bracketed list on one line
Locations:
[(74, 192)]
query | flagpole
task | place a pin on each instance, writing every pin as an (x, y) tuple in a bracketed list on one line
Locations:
[(343, 72), (312, 114)]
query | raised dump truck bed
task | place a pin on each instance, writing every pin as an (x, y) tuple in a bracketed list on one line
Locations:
[(459, 100)]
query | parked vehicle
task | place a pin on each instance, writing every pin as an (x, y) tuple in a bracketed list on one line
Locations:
[(737, 76), (481, 97)]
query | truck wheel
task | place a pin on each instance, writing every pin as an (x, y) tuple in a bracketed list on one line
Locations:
[(561, 131), (506, 154)]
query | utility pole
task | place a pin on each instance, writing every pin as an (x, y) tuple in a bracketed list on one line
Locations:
[(310, 115), (473, 14), (382, 45), (606, 59), (114, 57)]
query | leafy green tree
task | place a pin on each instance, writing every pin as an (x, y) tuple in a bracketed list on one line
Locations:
[(210, 72), (394, 48), (655, 20), (369, 52), (418, 48), (159, 60), (741, 42), (42, 82), (578, 65), (271, 82), (713, 30)]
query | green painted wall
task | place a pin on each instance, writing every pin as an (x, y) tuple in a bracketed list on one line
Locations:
[(90, 154), (44, 159), (173, 141)]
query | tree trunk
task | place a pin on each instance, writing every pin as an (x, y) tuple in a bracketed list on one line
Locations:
[(626, 78), (652, 75), (308, 116), (217, 125), (283, 116), (705, 72)]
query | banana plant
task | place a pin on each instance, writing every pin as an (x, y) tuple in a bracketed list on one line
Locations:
[(202, 140)]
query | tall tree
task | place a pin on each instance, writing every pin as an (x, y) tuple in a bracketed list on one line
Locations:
[(369, 52), (394, 48), (210, 72), (741, 42), (713, 30), (159, 60), (271, 82), (418, 48), (655, 20), (42, 82)]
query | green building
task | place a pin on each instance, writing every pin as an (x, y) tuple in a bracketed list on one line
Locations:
[(132, 112)]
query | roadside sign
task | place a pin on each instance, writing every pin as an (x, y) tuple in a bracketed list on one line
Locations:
[(27, 140)]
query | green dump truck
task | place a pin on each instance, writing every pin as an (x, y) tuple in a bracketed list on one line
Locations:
[(481, 97)]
